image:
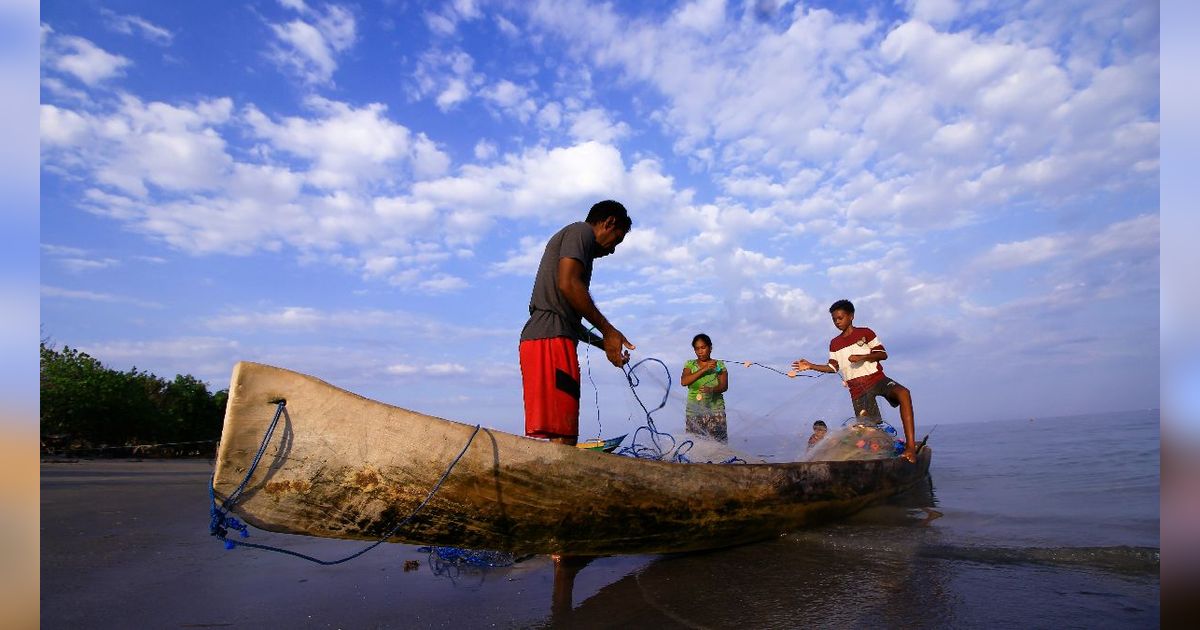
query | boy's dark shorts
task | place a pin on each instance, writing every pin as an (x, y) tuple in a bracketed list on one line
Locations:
[(867, 401)]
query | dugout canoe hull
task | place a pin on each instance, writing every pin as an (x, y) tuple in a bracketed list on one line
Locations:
[(342, 466)]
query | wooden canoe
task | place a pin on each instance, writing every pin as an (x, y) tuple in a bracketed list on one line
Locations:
[(342, 466)]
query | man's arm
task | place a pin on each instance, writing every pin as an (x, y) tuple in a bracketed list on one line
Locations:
[(571, 285), (590, 338)]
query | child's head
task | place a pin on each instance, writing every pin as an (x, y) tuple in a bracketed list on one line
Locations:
[(842, 313), (703, 346), (819, 427)]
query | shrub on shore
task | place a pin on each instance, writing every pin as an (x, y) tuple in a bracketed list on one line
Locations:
[(88, 405)]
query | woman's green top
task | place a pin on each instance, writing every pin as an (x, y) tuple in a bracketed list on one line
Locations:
[(704, 401)]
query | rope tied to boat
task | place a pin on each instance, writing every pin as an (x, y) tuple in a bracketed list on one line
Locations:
[(221, 522)]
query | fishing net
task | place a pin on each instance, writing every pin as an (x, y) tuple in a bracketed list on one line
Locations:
[(769, 414), (855, 441)]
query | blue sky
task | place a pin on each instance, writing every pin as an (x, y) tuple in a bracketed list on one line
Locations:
[(361, 192)]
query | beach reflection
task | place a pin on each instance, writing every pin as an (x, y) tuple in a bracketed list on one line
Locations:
[(858, 573)]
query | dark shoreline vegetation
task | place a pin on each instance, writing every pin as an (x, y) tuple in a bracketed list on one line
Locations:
[(88, 409)]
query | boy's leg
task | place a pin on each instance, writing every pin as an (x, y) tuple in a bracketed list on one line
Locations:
[(899, 396), (866, 409)]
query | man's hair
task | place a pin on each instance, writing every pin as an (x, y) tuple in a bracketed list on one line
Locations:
[(609, 208), (702, 337), (819, 423), (842, 305)]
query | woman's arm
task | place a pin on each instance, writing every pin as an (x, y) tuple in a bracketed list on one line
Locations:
[(688, 377), (722, 382)]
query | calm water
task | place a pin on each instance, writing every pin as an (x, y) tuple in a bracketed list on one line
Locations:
[(1045, 523)]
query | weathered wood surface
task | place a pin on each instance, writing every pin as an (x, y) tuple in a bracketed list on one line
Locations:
[(343, 466)]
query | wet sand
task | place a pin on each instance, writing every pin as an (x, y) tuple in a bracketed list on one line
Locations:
[(126, 544)]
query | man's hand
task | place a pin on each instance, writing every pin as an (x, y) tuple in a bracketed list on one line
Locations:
[(616, 347), (857, 358)]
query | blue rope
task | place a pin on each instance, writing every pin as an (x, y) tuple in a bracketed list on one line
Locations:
[(655, 450), (587, 355), (677, 450), (221, 522), (480, 558)]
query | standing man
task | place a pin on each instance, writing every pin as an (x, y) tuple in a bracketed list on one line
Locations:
[(549, 363)]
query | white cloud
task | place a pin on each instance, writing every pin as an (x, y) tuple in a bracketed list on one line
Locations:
[(1138, 233), (209, 357), (704, 16), (524, 260), (94, 296), (428, 369), (309, 49), (401, 369), (550, 116), (484, 150), (928, 111), (1020, 253), (307, 319), (507, 27), (62, 250), (934, 11), (79, 265), (347, 146), (139, 144), (595, 124), (62, 127), (445, 369), (137, 25), (445, 22), (443, 283), (511, 98), (541, 182), (82, 59), (448, 76)]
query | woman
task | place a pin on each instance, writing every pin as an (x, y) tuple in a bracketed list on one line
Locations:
[(706, 381)]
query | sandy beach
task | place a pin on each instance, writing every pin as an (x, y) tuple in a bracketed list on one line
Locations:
[(126, 544)]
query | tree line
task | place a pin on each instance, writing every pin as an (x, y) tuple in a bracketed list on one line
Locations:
[(86, 405)]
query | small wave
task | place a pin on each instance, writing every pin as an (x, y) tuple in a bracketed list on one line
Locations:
[(1122, 559)]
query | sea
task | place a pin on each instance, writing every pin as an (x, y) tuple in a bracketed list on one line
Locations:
[(1048, 522), (1045, 522)]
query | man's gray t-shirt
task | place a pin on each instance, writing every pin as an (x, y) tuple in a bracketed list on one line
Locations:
[(550, 315)]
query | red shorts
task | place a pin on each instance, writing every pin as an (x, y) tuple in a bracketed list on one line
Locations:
[(550, 376)]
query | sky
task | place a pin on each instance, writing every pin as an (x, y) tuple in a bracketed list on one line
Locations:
[(361, 192)]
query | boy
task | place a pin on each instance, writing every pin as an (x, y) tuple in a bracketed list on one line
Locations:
[(856, 353), (818, 434)]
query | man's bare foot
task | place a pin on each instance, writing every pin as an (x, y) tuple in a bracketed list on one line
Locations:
[(910, 455)]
